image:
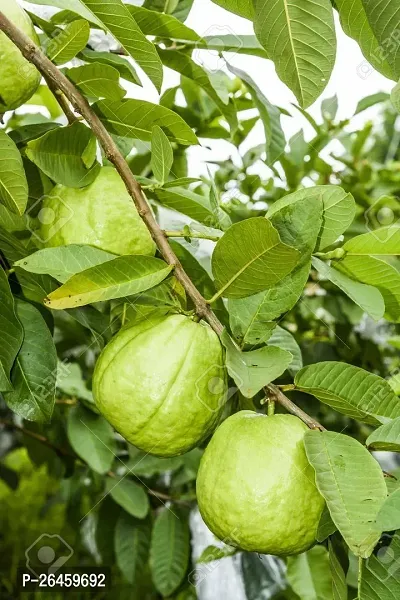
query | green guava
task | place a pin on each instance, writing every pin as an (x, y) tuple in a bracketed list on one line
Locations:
[(102, 214), (255, 487), (19, 79), (162, 384)]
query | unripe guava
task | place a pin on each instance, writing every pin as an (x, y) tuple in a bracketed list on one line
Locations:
[(162, 384), (102, 214), (255, 487), (19, 79)]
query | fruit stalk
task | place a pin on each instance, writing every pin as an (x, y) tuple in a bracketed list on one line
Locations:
[(61, 84)]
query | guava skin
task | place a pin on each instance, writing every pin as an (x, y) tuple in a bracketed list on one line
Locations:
[(19, 79), (102, 214), (255, 487), (152, 383)]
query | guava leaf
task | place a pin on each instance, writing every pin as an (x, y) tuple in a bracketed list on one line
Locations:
[(69, 42), (136, 119), (380, 574), (92, 438), (386, 437), (116, 17), (350, 390), (132, 544), (339, 583), (60, 154), (13, 183), (12, 333), (121, 64), (162, 25), (195, 206), (309, 575), (253, 370), (376, 272), (385, 241), (367, 297), (117, 278), (169, 550), (97, 81), (339, 210), (251, 257), (352, 483), (243, 8), (284, 339), (162, 156), (388, 518), (300, 38), (35, 370), (63, 262), (130, 495), (383, 19)]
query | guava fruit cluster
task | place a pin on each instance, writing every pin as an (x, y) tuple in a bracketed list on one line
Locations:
[(18, 78), (162, 384), (101, 214), (255, 487)]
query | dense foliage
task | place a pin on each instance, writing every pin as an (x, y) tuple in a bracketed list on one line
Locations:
[(294, 243)]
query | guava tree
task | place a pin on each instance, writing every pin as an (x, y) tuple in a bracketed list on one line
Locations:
[(243, 353)]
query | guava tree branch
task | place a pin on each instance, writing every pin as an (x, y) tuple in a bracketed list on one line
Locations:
[(62, 101), (60, 83), (274, 393)]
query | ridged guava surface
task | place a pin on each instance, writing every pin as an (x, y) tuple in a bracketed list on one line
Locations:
[(255, 487), (102, 214), (162, 384), (18, 78)]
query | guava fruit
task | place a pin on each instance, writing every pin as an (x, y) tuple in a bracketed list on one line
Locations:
[(19, 79), (255, 487), (102, 214), (162, 384)]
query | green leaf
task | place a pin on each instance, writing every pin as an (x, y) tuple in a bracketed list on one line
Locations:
[(63, 155), (299, 37), (239, 44), (243, 8), (182, 63), (120, 277), (350, 390), (136, 119), (107, 518), (132, 544), (64, 261), (35, 370), (26, 133), (97, 81), (92, 438), (326, 527), (299, 224), (253, 370), (371, 100), (285, 340), (380, 574), (212, 553), (309, 576), (270, 116), (123, 66), (169, 551), (69, 42), (354, 21), (71, 382), (162, 156), (250, 257), (11, 333), (121, 24), (339, 584), (382, 16), (383, 241), (352, 483), (195, 206), (339, 210), (388, 518), (376, 272), (262, 578), (128, 494), (75, 6), (162, 25), (251, 317), (367, 297), (386, 437), (13, 183)]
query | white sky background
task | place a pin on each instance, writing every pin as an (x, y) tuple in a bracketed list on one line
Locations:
[(352, 79)]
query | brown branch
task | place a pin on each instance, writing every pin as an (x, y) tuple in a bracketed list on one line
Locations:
[(274, 393), (51, 73), (37, 436), (62, 101)]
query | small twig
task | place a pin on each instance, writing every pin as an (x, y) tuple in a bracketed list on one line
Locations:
[(198, 235), (62, 101), (37, 436), (274, 393), (67, 401)]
